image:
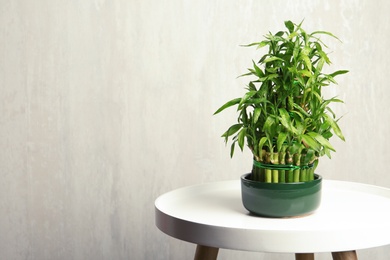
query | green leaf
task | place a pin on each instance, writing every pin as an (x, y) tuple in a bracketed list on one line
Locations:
[(324, 56), (300, 80), (269, 122), (296, 50), (325, 126), (339, 72), (231, 131), (324, 32), (276, 38), (320, 65), (268, 77), (309, 157), (285, 117), (315, 94), (305, 37), (299, 127), (262, 44), (292, 35), (335, 100), (289, 25), (298, 107), (247, 96), (254, 101), (295, 148), (251, 86), (330, 79), (256, 114), (258, 44), (259, 72), (306, 60), (336, 129), (263, 140), (273, 58), (281, 138), (228, 104), (252, 72), (305, 73), (309, 141), (331, 111), (232, 149), (243, 117), (241, 138), (286, 121), (320, 139), (318, 46), (327, 152)]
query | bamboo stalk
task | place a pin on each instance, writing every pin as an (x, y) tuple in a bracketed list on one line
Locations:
[(275, 176), (310, 173), (282, 160), (297, 162), (272, 175), (282, 177), (263, 173), (268, 175), (290, 173), (275, 173), (257, 173), (290, 176), (268, 172), (303, 176), (254, 172), (296, 175)]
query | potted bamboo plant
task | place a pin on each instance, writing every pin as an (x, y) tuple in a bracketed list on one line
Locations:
[(286, 122)]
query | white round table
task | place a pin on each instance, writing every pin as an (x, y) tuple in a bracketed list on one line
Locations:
[(351, 216)]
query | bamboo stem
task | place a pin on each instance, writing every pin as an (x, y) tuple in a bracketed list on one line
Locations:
[(275, 176), (282, 160), (262, 175), (310, 174), (296, 175), (268, 172), (290, 176), (268, 175), (282, 178), (275, 173), (255, 173), (303, 176)]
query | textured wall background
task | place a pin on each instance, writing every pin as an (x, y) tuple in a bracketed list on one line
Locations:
[(105, 105)]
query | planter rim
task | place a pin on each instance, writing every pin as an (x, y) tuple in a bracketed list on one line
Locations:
[(281, 185)]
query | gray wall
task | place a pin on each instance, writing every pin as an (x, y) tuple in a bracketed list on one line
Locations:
[(105, 105)]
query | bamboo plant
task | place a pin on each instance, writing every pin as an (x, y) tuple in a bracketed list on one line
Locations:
[(283, 117)]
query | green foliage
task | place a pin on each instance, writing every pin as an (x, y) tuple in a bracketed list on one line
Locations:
[(283, 110)]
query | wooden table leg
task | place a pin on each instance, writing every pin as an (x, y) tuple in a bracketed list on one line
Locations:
[(304, 256), (206, 253), (347, 255)]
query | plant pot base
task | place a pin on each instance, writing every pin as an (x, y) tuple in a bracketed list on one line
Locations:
[(281, 200)]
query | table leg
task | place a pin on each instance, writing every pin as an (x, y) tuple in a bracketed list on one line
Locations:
[(304, 256), (347, 255), (206, 253)]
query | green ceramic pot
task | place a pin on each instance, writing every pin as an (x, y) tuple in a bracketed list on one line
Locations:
[(279, 200)]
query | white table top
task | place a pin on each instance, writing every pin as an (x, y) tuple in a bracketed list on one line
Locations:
[(351, 216)]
